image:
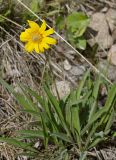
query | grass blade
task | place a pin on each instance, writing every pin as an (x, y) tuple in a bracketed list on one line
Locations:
[(62, 136), (31, 133), (17, 143)]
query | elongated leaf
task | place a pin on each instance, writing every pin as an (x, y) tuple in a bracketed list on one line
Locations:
[(94, 97), (42, 101), (111, 97), (7, 86), (105, 109), (28, 154), (32, 133), (96, 116), (17, 143), (110, 120), (95, 142), (81, 85), (62, 136), (54, 102), (110, 103), (90, 135), (114, 135), (24, 102), (83, 156), (34, 94), (48, 113), (34, 113), (28, 99), (75, 111), (45, 130), (21, 99), (57, 108)]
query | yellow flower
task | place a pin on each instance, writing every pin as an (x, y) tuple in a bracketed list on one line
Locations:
[(36, 37)]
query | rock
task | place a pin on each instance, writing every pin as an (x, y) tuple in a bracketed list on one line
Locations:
[(114, 35), (99, 24), (77, 70), (109, 69), (112, 55), (63, 88), (111, 18), (67, 65), (104, 10), (22, 158)]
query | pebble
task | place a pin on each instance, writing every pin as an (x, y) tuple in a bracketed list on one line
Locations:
[(99, 24), (67, 65), (63, 88), (112, 55)]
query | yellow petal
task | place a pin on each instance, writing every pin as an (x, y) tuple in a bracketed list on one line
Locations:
[(33, 25), (37, 48), (41, 47), (49, 40), (43, 27), (29, 30), (24, 37), (48, 32), (46, 46), (29, 47)]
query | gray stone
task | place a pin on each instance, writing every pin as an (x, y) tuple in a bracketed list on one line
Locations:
[(108, 68), (111, 18), (67, 65), (99, 24), (112, 55), (63, 88), (77, 70)]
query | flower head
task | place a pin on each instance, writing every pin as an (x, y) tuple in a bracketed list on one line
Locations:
[(36, 37)]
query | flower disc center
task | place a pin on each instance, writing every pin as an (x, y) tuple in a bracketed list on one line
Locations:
[(36, 37)]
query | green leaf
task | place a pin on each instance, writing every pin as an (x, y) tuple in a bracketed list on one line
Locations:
[(111, 97), (32, 133), (17, 143), (75, 111), (110, 120), (94, 98), (114, 134), (7, 86), (77, 22), (28, 154), (34, 113), (83, 156), (90, 135), (62, 136), (75, 119), (51, 13), (95, 142), (45, 130), (56, 107), (97, 115), (60, 23), (47, 111), (42, 101), (35, 5), (22, 99), (102, 113), (81, 43)]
